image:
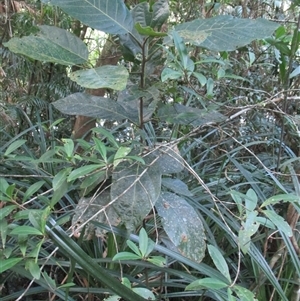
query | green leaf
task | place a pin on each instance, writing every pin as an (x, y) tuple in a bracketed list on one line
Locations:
[(250, 200), (15, 145), (144, 292), (219, 261), (286, 197), (68, 147), (23, 243), (5, 211), (32, 190), (60, 178), (206, 283), (51, 282), (101, 148), (126, 256), (134, 248), (3, 231), (279, 222), (103, 132), (25, 230), (160, 13), (182, 51), (93, 179), (143, 242), (157, 260), (121, 153), (237, 197), (106, 15), (249, 228), (6, 264), (201, 78), (94, 106), (70, 284), (33, 268), (182, 225), (210, 87), (51, 44), (3, 185), (224, 32), (83, 171), (111, 77), (169, 73), (243, 293), (148, 31)]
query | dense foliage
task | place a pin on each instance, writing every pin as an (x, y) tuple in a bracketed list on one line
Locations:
[(149, 150)]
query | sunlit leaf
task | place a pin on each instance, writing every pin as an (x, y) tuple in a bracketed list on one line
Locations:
[(224, 32), (110, 16), (51, 44), (111, 77)]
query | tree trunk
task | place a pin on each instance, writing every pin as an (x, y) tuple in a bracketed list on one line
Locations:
[(110, 55)]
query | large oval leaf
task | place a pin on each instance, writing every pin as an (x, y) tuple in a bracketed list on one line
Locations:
[(225, 33), (181, 114), (169, 158), (182, 224), (112, 77), (88, 210), (110, 16), (134, 190), (51, 44), (94, 106)]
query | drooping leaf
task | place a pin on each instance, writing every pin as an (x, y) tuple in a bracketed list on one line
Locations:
[(180, 114), (225, 33), (51, 44), (141, 14), (94, 106), (182, 224), (287, 197), (110, 16), (176, 186), (160, 13), (112, 77), (134, 190)]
